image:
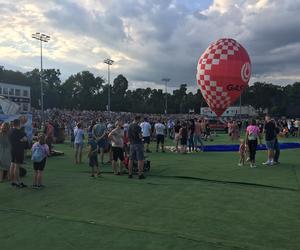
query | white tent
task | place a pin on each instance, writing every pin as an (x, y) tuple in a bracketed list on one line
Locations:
[(8, 107)]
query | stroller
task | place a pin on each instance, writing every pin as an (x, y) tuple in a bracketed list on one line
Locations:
[(135, 169)]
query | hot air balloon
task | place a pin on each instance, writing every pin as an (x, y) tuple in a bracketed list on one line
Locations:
[(223, 72)]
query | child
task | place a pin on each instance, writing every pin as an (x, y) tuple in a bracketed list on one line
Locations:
[(40, 151), (242, 152), (93, 157)]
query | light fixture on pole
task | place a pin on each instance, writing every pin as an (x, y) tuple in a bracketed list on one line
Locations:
[(166, 80), (109, 62), (42, 38)]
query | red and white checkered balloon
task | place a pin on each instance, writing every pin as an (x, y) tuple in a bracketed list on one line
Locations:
[(223, 72)]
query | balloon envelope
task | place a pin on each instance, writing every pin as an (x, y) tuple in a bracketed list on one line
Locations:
[(223, 72)]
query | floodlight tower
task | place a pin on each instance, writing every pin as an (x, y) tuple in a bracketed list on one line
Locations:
[(43, 38), (109, 62), (166, 80)]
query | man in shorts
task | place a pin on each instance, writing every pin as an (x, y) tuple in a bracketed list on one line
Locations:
[(270, 137), (17, 137), (100, 133), (197, 135), (116, 136), (160, 135), (136, 147), (146, 131)]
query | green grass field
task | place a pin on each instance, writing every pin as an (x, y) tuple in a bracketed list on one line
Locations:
[(193, 201)]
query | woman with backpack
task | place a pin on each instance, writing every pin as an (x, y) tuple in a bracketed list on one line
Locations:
[(40, 151)]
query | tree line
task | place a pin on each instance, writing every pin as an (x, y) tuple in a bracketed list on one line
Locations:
[(85, 91)]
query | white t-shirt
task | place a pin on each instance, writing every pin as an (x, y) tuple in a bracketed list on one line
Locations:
[(79, 135), (160, 129), (146, 129)]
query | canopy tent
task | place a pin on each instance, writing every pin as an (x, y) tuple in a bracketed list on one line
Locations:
[(8, 107)]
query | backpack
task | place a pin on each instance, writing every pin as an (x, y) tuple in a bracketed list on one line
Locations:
[(37, 154)]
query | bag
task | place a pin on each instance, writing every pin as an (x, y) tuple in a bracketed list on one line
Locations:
[(37, 154), (135, 169), (252, 136)]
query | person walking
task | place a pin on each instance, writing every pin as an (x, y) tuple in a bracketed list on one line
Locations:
[(136, 147)]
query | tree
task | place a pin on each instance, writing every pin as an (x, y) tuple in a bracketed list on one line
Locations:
[(118, 93), (85, 91), (52, 88), (81, 91)]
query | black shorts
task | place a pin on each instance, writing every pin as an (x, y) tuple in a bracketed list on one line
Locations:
[(183, 141), (93, 161), (39, 165), (17, 156), (118, 153), (146, 139), (160, 139)]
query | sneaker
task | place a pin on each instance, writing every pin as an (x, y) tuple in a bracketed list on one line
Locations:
[(141, 177), (240, 164), (17, 185), (130, 176), (276, 162), (266, 163), (253, 166), (34, 186), (22, 185)]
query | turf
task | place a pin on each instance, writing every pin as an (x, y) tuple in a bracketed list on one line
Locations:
[(194, 201)]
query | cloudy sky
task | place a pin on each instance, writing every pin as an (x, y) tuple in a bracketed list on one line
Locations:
[(150, 39)]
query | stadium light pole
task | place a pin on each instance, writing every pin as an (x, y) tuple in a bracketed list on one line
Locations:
[(166, 80), (109, 62), (43, 38)]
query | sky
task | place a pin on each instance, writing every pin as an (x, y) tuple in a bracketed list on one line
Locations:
[(150, 39)]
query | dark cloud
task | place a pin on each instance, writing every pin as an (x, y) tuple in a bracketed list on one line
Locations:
[(73, 17), (165, 38)]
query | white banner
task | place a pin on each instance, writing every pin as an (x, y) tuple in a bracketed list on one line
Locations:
[(8, 107)]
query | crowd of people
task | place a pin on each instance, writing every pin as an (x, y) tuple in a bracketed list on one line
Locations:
[(126, 137)]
